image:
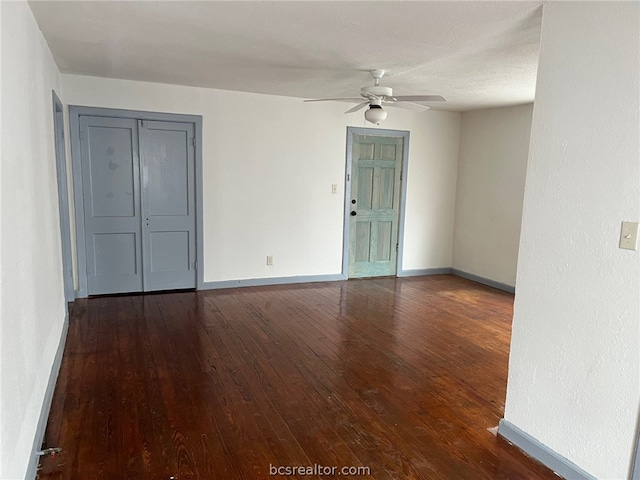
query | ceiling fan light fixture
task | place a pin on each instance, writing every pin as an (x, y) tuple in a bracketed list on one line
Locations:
[(375, 114)]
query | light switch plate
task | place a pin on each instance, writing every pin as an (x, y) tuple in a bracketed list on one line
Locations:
[(334, 188), (629, 235)]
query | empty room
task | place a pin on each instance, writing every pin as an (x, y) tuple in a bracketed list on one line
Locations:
[(325, 239)]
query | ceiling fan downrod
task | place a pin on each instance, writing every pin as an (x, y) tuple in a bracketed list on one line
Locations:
[(377, 75)]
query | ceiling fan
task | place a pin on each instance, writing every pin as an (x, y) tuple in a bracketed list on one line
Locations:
[(375, 96)]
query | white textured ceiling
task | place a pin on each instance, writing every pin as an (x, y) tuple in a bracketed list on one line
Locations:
[(476, 54)]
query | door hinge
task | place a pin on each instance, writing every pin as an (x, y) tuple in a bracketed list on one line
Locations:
[(193, 141), (142, 123), (401, 174), (195, 265), (81, 135), (348, 177), (396, 247), (62, 134)]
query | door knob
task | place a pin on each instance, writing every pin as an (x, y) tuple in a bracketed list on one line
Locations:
[(353, 213)]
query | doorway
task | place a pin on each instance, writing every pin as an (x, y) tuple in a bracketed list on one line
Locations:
[(374, 202), (138, 200)]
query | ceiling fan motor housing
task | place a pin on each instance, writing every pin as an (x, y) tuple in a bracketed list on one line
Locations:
[(376, 91)]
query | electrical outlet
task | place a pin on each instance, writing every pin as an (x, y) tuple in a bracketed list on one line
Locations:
[(629, 235), (269, 260)]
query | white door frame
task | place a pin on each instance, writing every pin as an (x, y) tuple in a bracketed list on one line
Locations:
[(75, 112), (351, 133)]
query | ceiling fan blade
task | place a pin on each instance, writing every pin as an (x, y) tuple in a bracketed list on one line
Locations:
[(407, 106), (357, 107), (354, 99), (419, 98)]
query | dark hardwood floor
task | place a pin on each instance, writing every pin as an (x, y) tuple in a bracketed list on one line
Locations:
[(401, 376)]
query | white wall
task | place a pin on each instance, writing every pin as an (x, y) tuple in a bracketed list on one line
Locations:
[(575, 354), (268, 176), (431, 191), (33, 309), (494, 146)]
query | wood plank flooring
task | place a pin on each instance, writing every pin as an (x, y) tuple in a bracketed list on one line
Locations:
[(402, 377)]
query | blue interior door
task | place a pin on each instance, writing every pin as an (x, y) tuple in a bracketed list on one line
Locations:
[(111, 192), (139, 204), (375, 205), (167, 159)]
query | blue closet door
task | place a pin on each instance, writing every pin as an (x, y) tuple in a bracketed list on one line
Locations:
[(167, 159), (139, 204)]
